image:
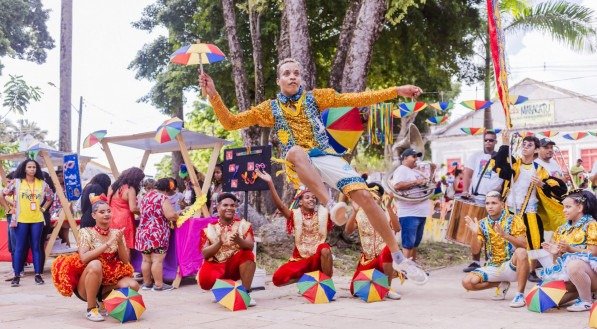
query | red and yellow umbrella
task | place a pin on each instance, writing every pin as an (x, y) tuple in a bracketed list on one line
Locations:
[(343, 126), (575, 136), (168, 130), (476, 105), (94, 138), (593, 316)]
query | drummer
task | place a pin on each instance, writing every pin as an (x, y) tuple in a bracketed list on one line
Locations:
[(504, 236), (480, 179)]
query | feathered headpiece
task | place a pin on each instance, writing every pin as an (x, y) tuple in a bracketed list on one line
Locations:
[(97, 198)]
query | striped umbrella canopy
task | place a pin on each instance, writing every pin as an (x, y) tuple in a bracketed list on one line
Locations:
[(94, 138), (124, 304), (545, 296), (198, 53), (442, 106), (168, 130), (371, 285), (343, 126), (575, 136), (231, 294), (593, 316), (316, 287), (476, 105)]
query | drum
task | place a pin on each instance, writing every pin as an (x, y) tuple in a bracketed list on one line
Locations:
[(457, 230)]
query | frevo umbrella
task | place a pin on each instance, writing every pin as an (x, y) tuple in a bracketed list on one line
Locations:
[(124, 304), (476, 105), (371, 285), (231, 294), (316, 287), (442, 106), (168, 130), (94, 138), (545, 296), (343, 126), (198, 53), (593, 316)]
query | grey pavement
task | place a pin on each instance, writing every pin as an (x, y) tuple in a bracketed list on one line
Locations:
[(442, 303)]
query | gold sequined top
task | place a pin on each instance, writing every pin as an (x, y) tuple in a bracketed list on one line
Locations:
[(581, 234), (309, 231), (499, 250), (91, 239), (211, 235), (261, 114), (371, 242)]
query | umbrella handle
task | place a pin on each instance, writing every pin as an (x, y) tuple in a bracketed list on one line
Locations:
[(203, 93)]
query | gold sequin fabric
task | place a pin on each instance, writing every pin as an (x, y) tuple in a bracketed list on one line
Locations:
[(260, 115), (371, 243), (499, 249), (228, 248), (309, 232), (579, 236), (90, 238)]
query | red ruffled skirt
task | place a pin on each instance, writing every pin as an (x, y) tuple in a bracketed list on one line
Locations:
[(67, 270)]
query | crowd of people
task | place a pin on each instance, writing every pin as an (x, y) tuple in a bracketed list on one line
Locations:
[(535, 227)]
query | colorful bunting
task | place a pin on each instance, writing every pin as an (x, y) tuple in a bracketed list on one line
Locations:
[(548, 133), (442, 106), (476, 105), (438, 120), (575, 136), (473, 131), (517, 99)]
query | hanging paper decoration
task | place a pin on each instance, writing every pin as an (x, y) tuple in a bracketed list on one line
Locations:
[(575, 136), (497, 45), (94, 138), (381, 123), (518, 99), (526, 133), (437, 120), (473, 131), (548, 133), (442, 106), (476, 105), (413, 106), (401, 113), (343, 126), (593, 133), (496, 130)]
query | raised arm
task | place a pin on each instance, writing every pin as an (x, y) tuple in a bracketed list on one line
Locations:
[(330, 98), (260, 115), (277, 201)]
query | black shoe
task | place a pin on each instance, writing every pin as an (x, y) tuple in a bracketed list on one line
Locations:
[(15, 281), (38, 279), (472, 266), (533, 277)]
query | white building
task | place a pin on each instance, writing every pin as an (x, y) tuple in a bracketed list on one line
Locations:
[(548, 108)]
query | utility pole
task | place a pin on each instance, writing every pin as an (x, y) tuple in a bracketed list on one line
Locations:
[(79, 128)]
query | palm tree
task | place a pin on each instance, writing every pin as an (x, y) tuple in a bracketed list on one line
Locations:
[(567, 23), (12, 132)]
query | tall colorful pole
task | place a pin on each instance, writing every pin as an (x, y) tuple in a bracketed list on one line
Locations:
[(497, 44)]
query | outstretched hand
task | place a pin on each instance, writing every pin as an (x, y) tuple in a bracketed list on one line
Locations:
[(472, 224), (409, 91), (264, 175), (207, 84)]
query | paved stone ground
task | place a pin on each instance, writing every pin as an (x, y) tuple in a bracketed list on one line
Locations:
[(442, 303)]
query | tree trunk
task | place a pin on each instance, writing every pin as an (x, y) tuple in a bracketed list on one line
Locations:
[(300, 43), (368, 26), (487, 118), (284, 40), (177, 159), (250, 135), (66, 61), (255, 29), (348, 25)]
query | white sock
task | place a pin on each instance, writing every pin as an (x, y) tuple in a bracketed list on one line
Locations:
[(398, 257)]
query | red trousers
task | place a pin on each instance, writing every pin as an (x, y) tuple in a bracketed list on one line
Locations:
[(230, 269), (294, 269), (376, 263)]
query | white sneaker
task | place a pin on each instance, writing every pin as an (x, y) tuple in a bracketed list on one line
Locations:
[(94, 315), (501, 290), (412, 271), (252, 302), (147, 286), (338, 213), (579, 306), (518, 301), (393, 295)]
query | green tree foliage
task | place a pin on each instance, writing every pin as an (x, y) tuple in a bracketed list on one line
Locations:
[(23, 30), (18, 94)]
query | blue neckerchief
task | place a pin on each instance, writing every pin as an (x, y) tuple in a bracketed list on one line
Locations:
[(579, 223), (294, 98)]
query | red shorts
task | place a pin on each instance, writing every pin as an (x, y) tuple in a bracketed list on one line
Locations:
[(294, 269), (376, 263), (230, 269)]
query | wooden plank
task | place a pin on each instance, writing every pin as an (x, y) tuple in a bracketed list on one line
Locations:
[(211, 166), (62, 197), (141, 136), (54, 234), (144, 160), (191, 170), (106, 149), (3, 174)]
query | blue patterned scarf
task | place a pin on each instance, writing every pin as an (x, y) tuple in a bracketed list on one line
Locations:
[(294, 98)]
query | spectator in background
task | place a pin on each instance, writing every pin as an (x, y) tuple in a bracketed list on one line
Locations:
[(122, 197), (578, 173), (97, 186), (176, 198)]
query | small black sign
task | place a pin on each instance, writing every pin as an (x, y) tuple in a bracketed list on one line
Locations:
[(240, 165)]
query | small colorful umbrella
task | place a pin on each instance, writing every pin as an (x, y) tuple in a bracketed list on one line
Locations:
[(198, 53), (124, 304), (442, 106), (545, 295), (473, 131), (344, 127), (371, 285), (437, 120), (413, 106), (168, 130), (316, 287), (518, 99), (231, 295), (476, 105), (575, 136), (593, 316), (548, 133), (94, 138)]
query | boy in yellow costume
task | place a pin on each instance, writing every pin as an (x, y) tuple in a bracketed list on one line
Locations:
[(295, 117)]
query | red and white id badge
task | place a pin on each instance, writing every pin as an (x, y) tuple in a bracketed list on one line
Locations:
[(33, 206)]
